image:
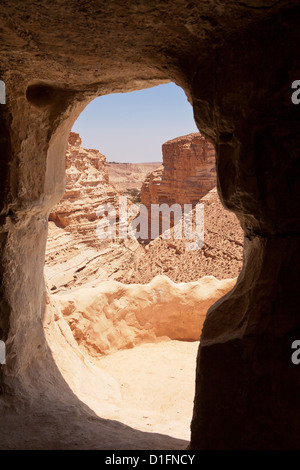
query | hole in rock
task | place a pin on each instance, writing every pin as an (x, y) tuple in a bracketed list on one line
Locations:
[(134, 305)]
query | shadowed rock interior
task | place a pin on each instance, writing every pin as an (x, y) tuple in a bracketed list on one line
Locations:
[(236, 62)]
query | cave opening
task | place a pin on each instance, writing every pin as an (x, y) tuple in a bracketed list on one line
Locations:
[(124, 299), (237, 63)]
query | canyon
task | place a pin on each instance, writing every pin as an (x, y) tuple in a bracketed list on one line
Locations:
[(130, 176), (76, 256), (114, 299), (188, 172), (236, 62)]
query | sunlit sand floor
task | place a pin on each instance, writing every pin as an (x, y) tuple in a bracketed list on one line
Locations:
[(157, 383)]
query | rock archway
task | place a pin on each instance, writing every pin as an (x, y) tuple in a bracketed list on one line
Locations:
[(236, 62)]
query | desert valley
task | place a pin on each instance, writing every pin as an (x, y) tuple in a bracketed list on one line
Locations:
[(149, 272), (130, 310)]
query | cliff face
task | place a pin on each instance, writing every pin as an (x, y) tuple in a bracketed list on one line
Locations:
[(187, 174), (75, 255), (87, 186), (236, 61)]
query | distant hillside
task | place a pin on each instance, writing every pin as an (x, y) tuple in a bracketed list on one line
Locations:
[(129, 175), (75, 256)]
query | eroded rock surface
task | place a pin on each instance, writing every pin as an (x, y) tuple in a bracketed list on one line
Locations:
[(113, 316), (76, 256), (236, 62), (188, 172), (109, 328), (87, 187)]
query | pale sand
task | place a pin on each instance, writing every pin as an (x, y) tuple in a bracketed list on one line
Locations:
[(117, 347), (157, 386)]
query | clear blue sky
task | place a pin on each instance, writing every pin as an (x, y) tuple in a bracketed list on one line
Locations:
[(131, 127)]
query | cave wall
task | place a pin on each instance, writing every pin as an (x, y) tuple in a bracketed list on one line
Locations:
[(236, 62), (252, 384)]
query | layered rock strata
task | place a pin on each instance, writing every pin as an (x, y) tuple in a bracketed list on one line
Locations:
[(113, 316), (236, 63), (188, 172), (87, 186), (75, 254)]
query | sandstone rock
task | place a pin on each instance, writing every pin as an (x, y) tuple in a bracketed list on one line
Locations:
[(187, 174), (236, 63), (91, 329), (114, 316), (87, 186), (75, 254)]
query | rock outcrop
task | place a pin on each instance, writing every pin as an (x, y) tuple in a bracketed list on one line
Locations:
[(236, 62), (114, 316), (187, 174), (109, 327), (75, 254), (87, 186)]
